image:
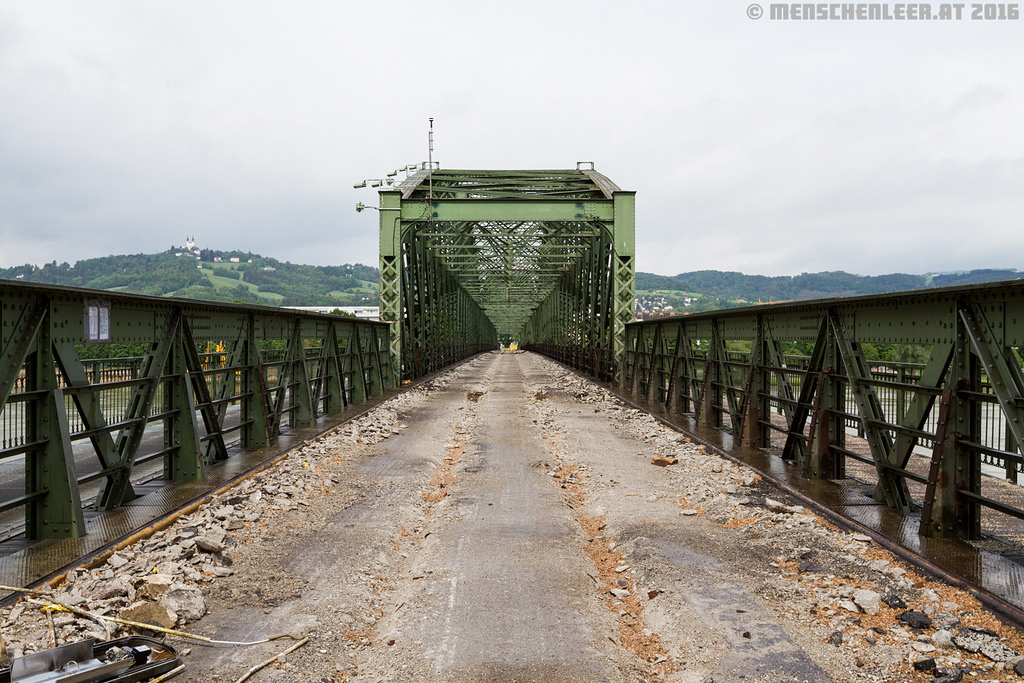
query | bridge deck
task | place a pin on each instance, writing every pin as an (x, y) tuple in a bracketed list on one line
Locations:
[(507, 576), (504, 522)]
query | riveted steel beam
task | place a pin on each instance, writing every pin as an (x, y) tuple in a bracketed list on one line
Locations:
[(832, 388), (54, 508), (171, 403), (479, 211)]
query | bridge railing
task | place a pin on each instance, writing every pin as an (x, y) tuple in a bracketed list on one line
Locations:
[(78, 429), (916, 394)]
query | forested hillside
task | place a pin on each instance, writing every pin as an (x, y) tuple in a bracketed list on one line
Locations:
[(251, 278), (214, 275), (704, 289)]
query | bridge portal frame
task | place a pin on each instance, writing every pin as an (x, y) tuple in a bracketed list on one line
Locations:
[(542, 257)]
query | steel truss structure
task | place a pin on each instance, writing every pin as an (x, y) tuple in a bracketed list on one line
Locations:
[(963, 408), (544, 258), (278, 366)]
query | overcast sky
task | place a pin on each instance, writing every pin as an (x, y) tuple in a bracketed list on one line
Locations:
[(770, 147)]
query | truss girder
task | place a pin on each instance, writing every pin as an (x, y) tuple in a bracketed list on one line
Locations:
[(53, 400), (540, 257), (972, 338)]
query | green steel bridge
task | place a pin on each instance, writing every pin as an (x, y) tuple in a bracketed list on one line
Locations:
[(542, 257), (469, 261)]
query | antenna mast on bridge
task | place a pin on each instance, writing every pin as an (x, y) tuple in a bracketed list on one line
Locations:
[(430, 160)]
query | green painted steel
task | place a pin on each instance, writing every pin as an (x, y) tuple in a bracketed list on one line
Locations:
[(540, 257), (199, 359), (810, 373)]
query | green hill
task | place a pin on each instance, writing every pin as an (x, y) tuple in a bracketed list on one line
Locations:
[(251, 278), (214, 275), (707, 289)]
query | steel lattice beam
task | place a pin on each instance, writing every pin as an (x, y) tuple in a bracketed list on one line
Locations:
[(51, 400), (965, 402)]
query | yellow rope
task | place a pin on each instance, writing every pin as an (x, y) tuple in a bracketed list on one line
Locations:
[(170, 674), (270, 661), (57, 606)]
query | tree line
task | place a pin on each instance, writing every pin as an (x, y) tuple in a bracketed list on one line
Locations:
[(734, 286), (178, 273)]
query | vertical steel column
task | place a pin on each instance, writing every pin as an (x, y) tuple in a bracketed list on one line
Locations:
[(754, 408), (362, 348), (826, 428), (304, 413), (625, 379), (378, 360), (255, 409), (391, 274), (710, 412), (624, 207), (333, 379), (956, 468), (181, 429), (55, 510)]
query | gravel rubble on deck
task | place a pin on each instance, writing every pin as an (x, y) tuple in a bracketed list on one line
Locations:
[(164, 579), (860, 612)]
